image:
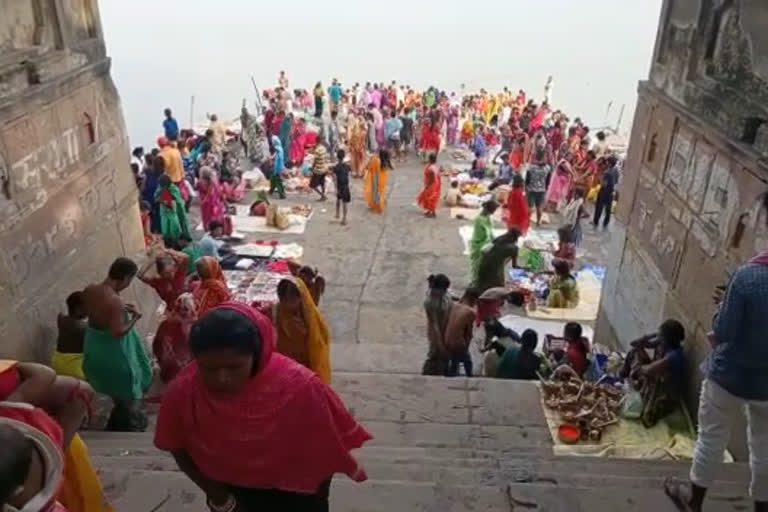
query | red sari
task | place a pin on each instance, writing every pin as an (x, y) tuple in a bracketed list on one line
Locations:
[(518, 215), (429, 197), (298, 142), (171, 343), (169, 289), (430, 138)]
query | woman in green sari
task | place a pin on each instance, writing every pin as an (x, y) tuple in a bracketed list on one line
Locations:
[(173, 215), (482, 237)]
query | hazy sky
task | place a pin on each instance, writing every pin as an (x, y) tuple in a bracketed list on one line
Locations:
[(166, 51)]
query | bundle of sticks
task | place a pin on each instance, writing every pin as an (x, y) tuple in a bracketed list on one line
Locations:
[(592, 406)]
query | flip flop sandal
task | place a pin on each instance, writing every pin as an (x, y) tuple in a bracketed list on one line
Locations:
[(679, 492)]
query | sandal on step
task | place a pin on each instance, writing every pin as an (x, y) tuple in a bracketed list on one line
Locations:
[(679, 492)]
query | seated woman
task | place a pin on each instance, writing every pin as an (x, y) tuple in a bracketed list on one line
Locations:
[(477, 171), (660, 379), (302, 332), (572, 349), (493, 262), (563, 289), (521, 363), (212, 289), (68, 357), (171, 267), (251, 428), (453, 195), (171, 343)]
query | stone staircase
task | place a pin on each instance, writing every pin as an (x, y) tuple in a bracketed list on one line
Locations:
[(447, 445)]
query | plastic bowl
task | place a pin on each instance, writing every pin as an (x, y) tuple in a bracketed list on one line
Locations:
[(569, 434)]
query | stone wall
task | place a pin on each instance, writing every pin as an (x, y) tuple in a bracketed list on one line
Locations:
[(68, 202), (693, 176)]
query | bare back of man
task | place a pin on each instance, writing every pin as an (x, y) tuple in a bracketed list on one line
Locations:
[(106, 310)]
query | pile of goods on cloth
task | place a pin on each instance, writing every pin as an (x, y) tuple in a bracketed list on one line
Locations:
[(589, 406)]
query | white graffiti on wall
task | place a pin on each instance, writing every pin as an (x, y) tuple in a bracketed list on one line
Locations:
[(644, 215), (47, 161), (665, 245)]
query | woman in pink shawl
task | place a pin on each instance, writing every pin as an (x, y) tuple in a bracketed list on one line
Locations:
[(252, 428), (298, 142), (452, 125), (212, 205), (560, 185)]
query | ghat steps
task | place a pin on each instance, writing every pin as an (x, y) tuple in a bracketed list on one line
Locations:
[(447, 445)]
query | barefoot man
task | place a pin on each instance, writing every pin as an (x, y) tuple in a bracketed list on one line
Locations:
[(115, 362)]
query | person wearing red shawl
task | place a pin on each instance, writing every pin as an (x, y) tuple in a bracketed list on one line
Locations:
[(277, 122), (429, 197), (170, 281), (171, 343), (522, 99), (253, 429), (298, 142), (212, 289), (539, 117), (517, 213), (269, 122), (430, 137)]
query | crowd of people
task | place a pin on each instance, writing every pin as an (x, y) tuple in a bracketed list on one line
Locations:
[(264, 369)]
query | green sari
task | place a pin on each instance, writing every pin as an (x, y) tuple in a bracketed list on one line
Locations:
[(173, 220), (482, 237), (118, 368)]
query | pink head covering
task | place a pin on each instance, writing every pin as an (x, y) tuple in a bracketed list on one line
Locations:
[(162, 142), (285, 430)]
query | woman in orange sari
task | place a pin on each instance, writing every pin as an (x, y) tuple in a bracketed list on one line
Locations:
[(357, 145), (429, 197), (213, 289), (302, 332), (375, 189)]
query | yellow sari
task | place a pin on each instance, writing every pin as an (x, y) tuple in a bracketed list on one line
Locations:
[(81, 489), (375, 190), (312, 338)]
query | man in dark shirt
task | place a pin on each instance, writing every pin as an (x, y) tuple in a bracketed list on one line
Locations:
[(406, 133), (341, 176), (608, 184)]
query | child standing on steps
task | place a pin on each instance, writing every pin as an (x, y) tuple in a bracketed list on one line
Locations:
[(341, 176)]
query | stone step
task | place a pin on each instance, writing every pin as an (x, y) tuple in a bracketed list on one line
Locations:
[(476, 471), (174, 492), (537, 458)]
